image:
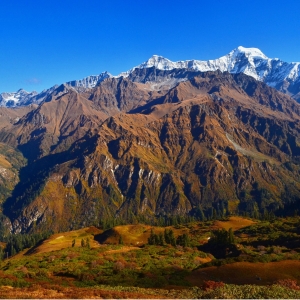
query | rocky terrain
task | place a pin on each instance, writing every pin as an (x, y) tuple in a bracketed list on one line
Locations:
[(160, 73), (154, 143)]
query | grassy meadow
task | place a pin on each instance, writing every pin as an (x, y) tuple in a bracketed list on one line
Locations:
[(120, 263)]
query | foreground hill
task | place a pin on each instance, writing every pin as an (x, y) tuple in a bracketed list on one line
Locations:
[(59, 268)]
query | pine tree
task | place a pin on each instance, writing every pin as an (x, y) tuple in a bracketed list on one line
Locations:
[(151, 239), (87, 243), (214, 214), (161, 239), (173, 241), (172, 238), (156, 239), (82, 243), (230, 236), (12, 250), (222, 209), (121, 242), (167, 236), (1, 253), (73, 243), (186, 240), (201, 214)]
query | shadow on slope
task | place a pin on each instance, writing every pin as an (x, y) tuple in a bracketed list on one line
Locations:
[(33, 176)]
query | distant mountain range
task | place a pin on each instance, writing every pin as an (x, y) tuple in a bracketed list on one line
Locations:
[(281, 75)]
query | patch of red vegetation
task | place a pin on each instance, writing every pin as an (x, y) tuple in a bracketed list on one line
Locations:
[(212, 285), (289, 283)]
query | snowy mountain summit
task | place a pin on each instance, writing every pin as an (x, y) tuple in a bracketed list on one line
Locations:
[(16, 99), (90, 81), (276, 73), (250, 61), (229, 62)]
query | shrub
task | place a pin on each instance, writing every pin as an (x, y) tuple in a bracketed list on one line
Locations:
[(289, 283), (119, 266), (212, 285), (52, 258)]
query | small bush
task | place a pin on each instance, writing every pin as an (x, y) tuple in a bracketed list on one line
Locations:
[(119, 266), (289, 283), (212, 285)]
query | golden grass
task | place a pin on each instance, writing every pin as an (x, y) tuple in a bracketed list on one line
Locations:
[(134, 235), (138, 235), (235, 223), (64, 240), (4, 162), (248, 273), (122, 250)]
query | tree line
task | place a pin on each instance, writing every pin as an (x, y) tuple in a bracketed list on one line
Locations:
[(168, 237), (18, 242)]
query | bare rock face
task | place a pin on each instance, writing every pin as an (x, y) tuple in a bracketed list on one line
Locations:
[(124, 149)]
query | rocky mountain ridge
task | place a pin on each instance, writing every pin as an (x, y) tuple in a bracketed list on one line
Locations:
[(155, 143), (281, 75)]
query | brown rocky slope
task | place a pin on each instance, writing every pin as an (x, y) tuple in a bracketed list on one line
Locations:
[(216, 140)]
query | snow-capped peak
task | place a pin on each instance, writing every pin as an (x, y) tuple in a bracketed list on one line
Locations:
[(250, 52), (250, 61), (15, 98), (229, 62), (90, 81), (158, 62), (241, 59)]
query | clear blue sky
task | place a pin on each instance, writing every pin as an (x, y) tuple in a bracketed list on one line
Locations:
[(47, 42)]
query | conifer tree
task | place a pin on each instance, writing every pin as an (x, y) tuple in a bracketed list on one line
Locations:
[(172, 238), (201, 214), (1, 253), (230, 236), (151, 239), (161, 239), (167, 236), (186, 240), (214, 214), (87, 243)]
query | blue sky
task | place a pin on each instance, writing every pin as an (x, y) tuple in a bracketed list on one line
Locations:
[(47, 42)]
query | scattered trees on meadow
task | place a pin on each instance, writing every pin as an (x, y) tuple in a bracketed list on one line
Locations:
[(85, 243), (168, 237), (222, 237)]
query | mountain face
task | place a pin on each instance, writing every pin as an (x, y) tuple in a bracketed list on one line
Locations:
[(250, 61), (66, 115), (19, 98), (155, 143), (90, 81), (283, 76)]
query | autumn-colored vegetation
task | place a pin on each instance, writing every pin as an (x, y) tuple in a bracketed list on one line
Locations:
[(168, 262)]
